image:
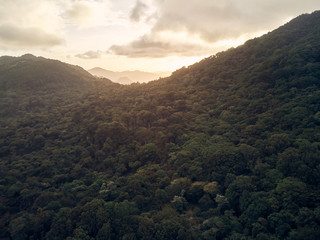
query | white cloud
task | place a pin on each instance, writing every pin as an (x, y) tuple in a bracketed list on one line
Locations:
[(86, 13), (215, 20), (29, 23), (209, 22), (90, 55), (32, 13), (49, 22), (79, 12), (156, 47), (15, 37)]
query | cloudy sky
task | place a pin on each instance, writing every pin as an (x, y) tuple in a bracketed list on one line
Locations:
[(148, 35)]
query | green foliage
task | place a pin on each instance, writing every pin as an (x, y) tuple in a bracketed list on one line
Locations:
[(228, 148)]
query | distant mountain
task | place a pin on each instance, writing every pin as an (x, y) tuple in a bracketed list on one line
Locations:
[(31, 73), (127, 77)]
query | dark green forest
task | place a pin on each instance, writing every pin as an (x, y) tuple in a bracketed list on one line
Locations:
[(228, 148)]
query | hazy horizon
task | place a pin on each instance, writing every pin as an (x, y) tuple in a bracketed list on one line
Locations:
[(144, 35)]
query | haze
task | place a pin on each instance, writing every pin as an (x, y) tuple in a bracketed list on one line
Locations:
[(146, 35)]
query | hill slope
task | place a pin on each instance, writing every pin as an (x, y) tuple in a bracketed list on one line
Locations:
[(228, 148), (30, 82), (33, 73)]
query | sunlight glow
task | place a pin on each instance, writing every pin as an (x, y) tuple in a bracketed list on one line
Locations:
[(228, 43)]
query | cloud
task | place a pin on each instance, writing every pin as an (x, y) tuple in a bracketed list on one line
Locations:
[(148, 47), (138, 11), (86, 14), (14, 36), (90, 55), (217, 20), (47, 23), (32, 23), (79, 12), (204, 24), (42, 14)]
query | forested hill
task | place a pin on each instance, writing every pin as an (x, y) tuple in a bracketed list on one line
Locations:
[(271, 57), (37, 73), (28, 83), (228, 148)]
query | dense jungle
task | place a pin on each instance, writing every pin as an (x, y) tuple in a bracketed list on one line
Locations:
[(227, 148)]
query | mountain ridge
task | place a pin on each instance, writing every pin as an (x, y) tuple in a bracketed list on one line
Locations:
[(42, 73)]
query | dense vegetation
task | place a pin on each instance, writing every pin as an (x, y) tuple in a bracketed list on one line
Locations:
[(228, 148)]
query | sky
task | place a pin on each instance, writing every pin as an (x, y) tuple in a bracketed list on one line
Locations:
[(146, 35)]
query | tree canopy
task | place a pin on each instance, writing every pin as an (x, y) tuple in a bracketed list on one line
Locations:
[(228, 148)]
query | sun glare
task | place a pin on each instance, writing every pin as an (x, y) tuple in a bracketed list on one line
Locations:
[(228, 43)]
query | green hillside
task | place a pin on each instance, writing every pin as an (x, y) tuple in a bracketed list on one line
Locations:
[(228, 148), (36, 73), (29, 83)]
